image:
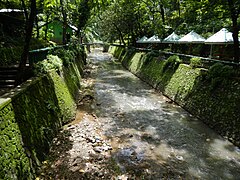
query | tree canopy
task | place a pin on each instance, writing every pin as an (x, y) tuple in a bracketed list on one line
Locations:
[(128, 20)]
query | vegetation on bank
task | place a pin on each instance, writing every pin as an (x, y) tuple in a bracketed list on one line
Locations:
[(211, 94), (11, 50), (32, 114)]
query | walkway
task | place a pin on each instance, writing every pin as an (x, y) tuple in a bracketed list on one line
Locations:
[(126, 130)]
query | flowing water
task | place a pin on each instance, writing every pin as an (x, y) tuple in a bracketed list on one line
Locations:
[(125, 130), (152, 137)]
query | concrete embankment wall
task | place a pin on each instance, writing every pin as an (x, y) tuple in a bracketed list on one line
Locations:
[(31, 115), (216, 101)]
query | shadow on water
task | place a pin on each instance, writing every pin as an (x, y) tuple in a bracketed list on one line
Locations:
[(171, 142)]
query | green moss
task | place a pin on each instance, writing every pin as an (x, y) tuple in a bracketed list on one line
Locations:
[(181, 83), (135, 63), (38, 125), (65, 100), (12, 153), (118, 52), (72, 79), (31, 117), (112, 49), (196, 62)]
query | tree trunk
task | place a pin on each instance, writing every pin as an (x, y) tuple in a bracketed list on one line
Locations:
[(179, 8), (25, 10), (64, 33), (65, 30), (235, 39), (37, 27), (28, 36), (234, 15), (120, 34), (46, 27), (162, 13)]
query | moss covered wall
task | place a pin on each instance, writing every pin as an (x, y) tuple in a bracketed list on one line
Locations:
[(14, 162), (219, 107), (30, 117)]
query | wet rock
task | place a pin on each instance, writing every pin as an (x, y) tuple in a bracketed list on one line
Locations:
[(130, 136), (106, 148), (122, 177), (99, 174), (180, 158), (90, 139), (98, 149)]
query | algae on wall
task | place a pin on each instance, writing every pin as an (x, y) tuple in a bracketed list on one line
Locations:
[(181, 83), (38, 116), (117, 51), (14, 163), (32, 117), (72, 78), (64, 94)]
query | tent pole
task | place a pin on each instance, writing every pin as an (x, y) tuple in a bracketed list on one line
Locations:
[(211, 51)]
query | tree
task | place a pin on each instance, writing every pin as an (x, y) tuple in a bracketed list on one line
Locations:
[(63, 5), (81, 15), (234, 9), (28, 36)]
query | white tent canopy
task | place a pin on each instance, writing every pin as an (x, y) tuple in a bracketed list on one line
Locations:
[(221, 37), (172, 38), (142, 40), (192, 37), (10, 10), (153, 39)]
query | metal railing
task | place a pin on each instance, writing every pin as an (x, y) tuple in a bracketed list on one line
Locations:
[(186, 57), (41, 54)]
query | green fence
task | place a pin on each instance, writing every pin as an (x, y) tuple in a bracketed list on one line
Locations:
[(41, 54)]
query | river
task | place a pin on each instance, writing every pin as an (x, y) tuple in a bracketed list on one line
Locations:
[(147, 135)]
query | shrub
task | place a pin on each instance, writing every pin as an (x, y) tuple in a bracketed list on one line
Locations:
[(174, 58), (218, 73), (76, 48), (11, 49), (67, 56), (172, 63), (150, 55), (10, 55), (51, 63), (195, 62), (220, 70)]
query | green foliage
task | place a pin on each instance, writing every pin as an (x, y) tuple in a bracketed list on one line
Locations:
[(11, 50), (220, 70), (10, 55), (150, 55), (174, 58), (12, 152), (218, 73), (67, 56), (76, 48), (51, 63), (195, 62), (172, 63)]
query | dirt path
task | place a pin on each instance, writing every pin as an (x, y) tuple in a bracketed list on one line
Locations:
[(125, 130)]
